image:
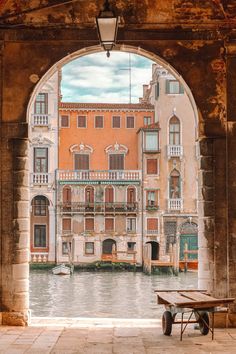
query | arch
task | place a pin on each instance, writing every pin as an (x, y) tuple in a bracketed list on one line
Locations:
[(155, 250), (108, 245), (39, 204), (123, 48), (131, 194), (89, 194)]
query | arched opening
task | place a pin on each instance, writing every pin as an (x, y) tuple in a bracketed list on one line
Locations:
[(155, 250), (188, 246), (108, 246), (174, 131), (89, 220)]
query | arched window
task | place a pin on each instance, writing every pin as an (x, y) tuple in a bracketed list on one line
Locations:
[(175, 191), (40, 205), (89, 194), (131, 195), (174, 131), (109, 194), (66, 195)]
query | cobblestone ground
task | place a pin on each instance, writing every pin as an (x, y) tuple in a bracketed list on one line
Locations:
[(105, 336)]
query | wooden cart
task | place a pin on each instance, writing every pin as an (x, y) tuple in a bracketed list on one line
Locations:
[(193, 302)]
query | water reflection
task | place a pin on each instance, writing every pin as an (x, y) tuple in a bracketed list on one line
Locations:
[(88, 294)]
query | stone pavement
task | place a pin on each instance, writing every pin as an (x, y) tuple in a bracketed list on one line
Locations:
[(106, 336)]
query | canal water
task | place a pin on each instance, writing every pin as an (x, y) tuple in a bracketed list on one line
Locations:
[(102, 294)]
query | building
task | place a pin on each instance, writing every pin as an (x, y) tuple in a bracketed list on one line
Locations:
[(175, 179), (43, 153), (99, 182)]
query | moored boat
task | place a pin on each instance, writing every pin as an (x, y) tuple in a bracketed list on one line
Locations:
[(61, 269)]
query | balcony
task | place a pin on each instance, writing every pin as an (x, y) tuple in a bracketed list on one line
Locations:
[(174, 151), (41, 257), (152, 206), (175, 204), (40, 179), (152, 232), (99, 176), (40, 120), (99, 207)]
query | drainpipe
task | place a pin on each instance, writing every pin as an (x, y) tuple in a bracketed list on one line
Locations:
[(142, 189)]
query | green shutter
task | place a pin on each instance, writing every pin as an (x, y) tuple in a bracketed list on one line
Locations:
[(167, 86), (157, 90)]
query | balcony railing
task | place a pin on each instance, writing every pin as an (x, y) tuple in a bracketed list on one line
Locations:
[(41, 178), (82, 207), (174, 151), (152, 206), (41, 257), (175, 204), (109, 175), (152, 232), (40, 120)]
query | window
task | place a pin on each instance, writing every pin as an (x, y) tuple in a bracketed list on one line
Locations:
[(174, 87), (152, 166), (131, 246), (81, 162), (152, 198), (109, 224), (40, 236), (89, 195), (81, 121), (129, 122), (89, 224), (175, 185), (40, 160), (41, 104), (152, 225), (40, 206), (174, 131), (66, 224), (151, 141), (66, 247), (66, 195), (64, 121), (131, 224), (115, 122), (109, 195), (89, 247), (116, 162), (147, 120), (99, 122), (131, 197)]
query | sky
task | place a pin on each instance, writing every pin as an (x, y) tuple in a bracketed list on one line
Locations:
[(96, 78)]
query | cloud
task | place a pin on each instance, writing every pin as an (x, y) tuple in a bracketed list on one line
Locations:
[(96, 78)]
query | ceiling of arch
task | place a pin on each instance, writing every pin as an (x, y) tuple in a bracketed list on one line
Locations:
[(147, 13)]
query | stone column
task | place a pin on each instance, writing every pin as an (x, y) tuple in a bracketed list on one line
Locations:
[(231, 176), (15, 232)]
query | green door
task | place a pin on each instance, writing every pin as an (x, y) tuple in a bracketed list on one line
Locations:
[(192, 243)]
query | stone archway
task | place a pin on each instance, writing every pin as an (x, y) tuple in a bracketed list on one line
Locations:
[(194, 61)]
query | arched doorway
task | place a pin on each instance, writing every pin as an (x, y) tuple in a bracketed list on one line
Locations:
[(108, 246), (188, 244), (155, 250)]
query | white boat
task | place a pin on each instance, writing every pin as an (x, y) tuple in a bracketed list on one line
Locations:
[(62, 269)]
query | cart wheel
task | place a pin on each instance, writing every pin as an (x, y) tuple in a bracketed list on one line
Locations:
[(202, 325), (167, 321)]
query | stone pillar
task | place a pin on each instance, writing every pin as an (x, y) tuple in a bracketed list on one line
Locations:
[(231, 177), (15, 232)]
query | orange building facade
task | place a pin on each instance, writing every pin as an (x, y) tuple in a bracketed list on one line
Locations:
[(99, 181)]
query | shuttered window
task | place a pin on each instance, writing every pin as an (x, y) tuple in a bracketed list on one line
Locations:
[(152, 224), (66, 224), (81, 162), (152, 198), (99, 122), (109, 224), (116, 162), (109, 195), (129, 122), (40, 237), (66, 195), (89, 224), (116, 122), (151, 166), (64, 121), (81, 121), (174, 87), (131, 198), (89, 195)]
